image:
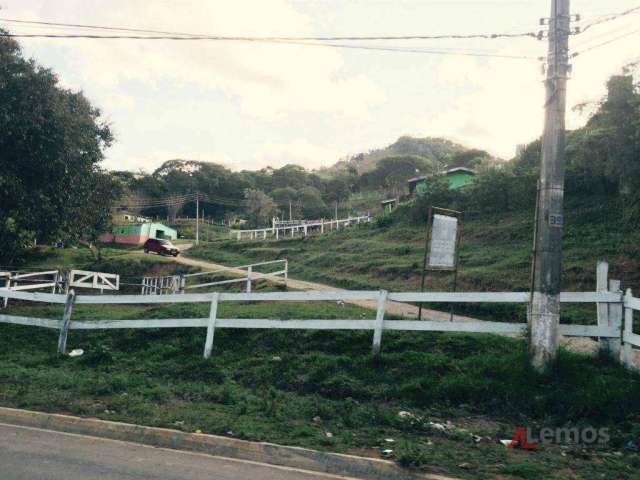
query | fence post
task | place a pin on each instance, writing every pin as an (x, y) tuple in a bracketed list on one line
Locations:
[(377, 333), (322, 226), (305, 229), (602, 282), (7, 285), (615, 321), (67, 285), (66, 321), (211, 326), (627, 349), (249, 269), (277, 233), (286, 271)]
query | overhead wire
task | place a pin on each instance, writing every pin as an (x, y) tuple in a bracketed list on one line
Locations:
[(602, 44), (608, 18), (168, 35)]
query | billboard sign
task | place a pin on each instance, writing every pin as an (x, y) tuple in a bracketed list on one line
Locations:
[(444, 239)]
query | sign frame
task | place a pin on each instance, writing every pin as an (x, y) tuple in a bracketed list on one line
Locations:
[(426, 268)]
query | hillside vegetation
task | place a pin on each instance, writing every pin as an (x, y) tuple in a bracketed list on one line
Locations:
[(495, 253), (436, 150)]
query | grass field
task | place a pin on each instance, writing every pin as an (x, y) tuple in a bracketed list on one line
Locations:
[(324, 390), (495, 256)]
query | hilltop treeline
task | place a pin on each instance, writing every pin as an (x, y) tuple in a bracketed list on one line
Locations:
[(602, 159), (261, 194)]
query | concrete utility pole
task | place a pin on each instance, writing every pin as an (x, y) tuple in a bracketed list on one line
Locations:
[(290, 217), (544, 311), (197, 216)]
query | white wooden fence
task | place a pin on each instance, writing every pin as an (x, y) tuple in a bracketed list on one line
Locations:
[(305, 229), (161, 285), (29, 281), (181, 283), (608, 331), (250, 275), (97, 280)]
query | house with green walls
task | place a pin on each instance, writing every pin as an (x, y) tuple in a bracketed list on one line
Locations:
[(456, 177), (138, 233)]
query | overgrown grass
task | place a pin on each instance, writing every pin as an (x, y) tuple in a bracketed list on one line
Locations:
[(495, 256), (324, 389), (297, 387)]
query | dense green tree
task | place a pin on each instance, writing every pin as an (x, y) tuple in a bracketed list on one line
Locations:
[(51, 145), (313, 206), (392, 173), (260, 207)]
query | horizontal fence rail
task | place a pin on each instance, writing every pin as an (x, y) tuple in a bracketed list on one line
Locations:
[(606, 332)]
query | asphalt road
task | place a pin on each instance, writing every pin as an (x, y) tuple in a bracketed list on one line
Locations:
[(34, 454)]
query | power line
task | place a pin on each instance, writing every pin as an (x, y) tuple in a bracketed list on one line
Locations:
[(608, 18), (602, 44), (166, 35), (469, 53), (281, 42)]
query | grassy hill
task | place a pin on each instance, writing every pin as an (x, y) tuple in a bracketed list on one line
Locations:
[(495, 254)]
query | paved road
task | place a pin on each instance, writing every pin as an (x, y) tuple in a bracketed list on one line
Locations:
[(34, 454)]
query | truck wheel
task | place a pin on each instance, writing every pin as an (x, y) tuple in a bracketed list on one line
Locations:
[(146, 250)]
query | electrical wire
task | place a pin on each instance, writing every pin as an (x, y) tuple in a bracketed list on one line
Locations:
[(166, 35), (602, 44), (469, 53), (608, 18), (308, 43), (181, 200)]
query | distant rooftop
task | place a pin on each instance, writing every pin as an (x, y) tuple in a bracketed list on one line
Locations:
[(446, 172)]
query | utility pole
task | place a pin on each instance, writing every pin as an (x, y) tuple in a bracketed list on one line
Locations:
[(544, 310), (197, 216), (336, 209), (290, 210)]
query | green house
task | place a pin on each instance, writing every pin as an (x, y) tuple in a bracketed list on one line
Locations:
[(457, 177), (138, 233)]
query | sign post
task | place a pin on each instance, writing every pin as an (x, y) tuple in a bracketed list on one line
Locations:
[(441, 250)]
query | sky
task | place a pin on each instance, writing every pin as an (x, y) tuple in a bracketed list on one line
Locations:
[(253, 105)]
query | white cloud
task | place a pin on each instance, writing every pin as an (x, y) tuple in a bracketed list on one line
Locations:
[(267, 80)]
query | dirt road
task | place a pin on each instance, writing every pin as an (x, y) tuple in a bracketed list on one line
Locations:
[(576, 344), (394, 308)]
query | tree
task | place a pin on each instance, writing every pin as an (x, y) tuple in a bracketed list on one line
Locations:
[(260, 207), (51, 144), (313, 207), (93, 218), (392, 173), (284, 197)]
